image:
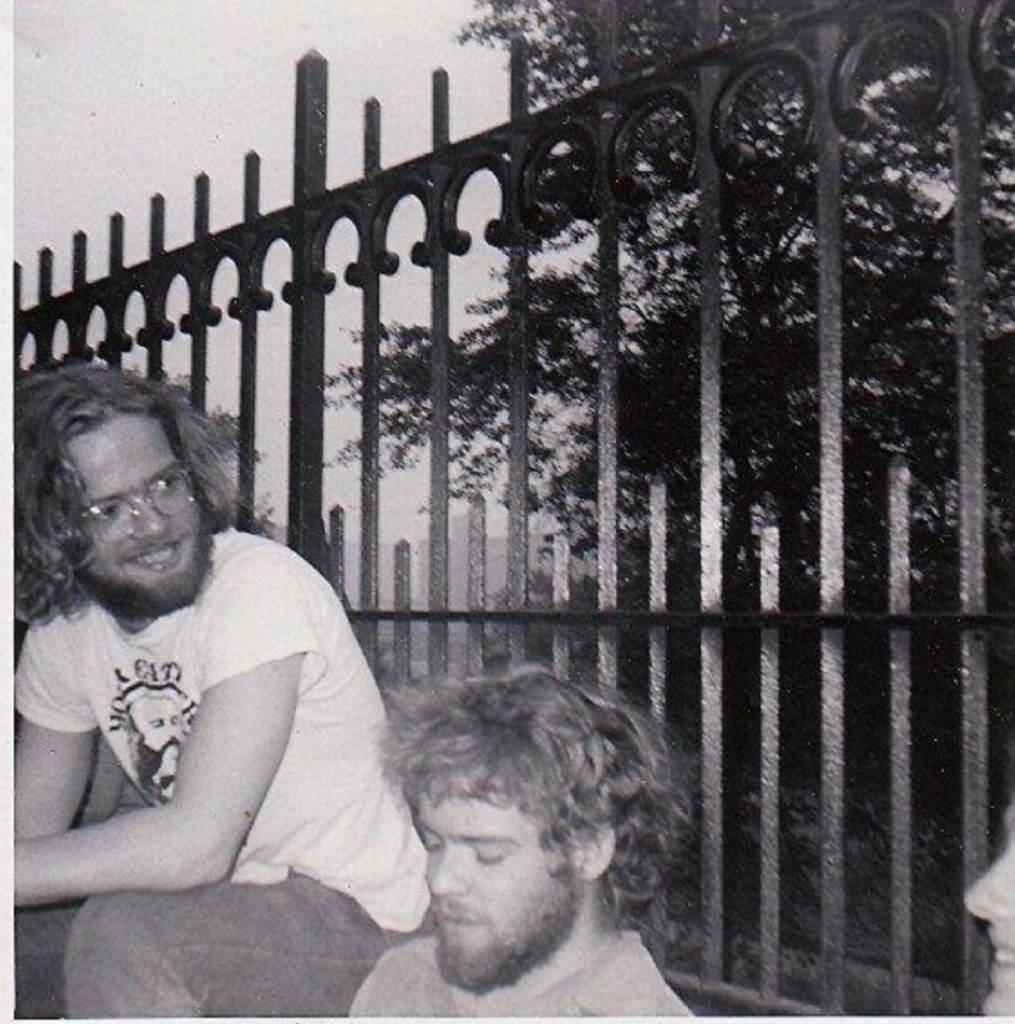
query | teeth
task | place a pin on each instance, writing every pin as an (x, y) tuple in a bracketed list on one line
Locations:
[(156, 559)]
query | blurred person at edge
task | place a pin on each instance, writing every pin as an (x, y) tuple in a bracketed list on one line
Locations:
[(549, 817), (269, 858), (992, 898)]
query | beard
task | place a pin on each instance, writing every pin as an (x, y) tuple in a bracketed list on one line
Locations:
[(510, 955), (126, 600)]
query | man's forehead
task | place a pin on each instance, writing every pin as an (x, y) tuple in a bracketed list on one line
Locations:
[(120, 454), (475, 818)]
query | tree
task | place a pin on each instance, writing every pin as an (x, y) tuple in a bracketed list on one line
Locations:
[(898, 311)]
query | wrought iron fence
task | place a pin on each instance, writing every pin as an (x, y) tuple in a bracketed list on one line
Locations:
[(823, 54)]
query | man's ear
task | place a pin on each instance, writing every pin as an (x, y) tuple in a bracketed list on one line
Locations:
[(592, 855)]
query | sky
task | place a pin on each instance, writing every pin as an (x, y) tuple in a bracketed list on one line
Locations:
[(115, 100)]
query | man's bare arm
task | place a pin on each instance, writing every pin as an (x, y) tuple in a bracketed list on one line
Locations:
[(50, 775), (226, 767)]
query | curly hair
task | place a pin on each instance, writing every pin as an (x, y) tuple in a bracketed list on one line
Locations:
[(52, 407), (576, 758)]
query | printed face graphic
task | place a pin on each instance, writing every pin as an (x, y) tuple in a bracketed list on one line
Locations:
[(502, 903), (157, 718), (992, 898), (155, 715), (160, 565)]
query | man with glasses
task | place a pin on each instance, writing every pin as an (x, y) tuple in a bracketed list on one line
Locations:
[(269, 855)]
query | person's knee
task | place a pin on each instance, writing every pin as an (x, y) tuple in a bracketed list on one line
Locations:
[(40, 942), (106, 925), (111, 954)]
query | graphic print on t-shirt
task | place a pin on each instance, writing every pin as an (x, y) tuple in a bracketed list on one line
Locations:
[(154, 713)]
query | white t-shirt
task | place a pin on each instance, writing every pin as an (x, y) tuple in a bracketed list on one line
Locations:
[(622, 982), (329, 813)]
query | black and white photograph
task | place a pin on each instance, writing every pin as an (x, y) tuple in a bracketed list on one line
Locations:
[(513, 508)]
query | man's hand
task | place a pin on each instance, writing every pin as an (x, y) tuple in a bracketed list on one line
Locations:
[(226, 767)]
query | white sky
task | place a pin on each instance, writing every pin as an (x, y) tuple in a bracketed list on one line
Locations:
[(115, 100)]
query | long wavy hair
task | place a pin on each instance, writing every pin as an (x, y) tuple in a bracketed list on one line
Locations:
[(576, 758), (51, 408)]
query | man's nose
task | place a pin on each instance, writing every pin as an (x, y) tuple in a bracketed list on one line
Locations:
[(445, 873), (145, 518)]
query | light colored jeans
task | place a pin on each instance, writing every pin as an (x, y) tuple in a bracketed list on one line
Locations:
[(296, 949)]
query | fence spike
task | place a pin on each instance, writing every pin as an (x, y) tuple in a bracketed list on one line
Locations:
[(561, 599), (519, 78), (476, 584), (116, 243), (202, 313), (80, 259), (45, 274), (441, 109), (371, 137), (657, 594), (336, 549), (157, 225), (607, 42), (251, 186), (311, 150), (202, 205), (403, 602)]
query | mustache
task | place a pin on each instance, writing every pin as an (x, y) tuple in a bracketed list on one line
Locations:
[(453, 910)]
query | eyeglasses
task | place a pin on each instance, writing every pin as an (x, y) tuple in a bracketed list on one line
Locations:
[(169, 494)]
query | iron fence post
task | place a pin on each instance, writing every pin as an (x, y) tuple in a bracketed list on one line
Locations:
[(306, 388), (967, 164), (609, 341), (518, 329), (832, 563), (710, 524), (437, 636)]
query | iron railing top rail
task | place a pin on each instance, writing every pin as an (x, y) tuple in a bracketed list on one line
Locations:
[(350, 198), (536, 616)]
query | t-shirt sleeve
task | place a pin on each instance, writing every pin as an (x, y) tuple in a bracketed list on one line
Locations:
[(47, 689), (260, 609)]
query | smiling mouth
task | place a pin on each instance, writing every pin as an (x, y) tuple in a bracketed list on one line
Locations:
[(158, 559)]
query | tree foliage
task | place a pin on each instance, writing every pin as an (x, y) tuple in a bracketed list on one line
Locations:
[(897, 324), (899, 398)]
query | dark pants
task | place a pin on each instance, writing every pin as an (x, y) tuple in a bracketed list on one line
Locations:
[(296, 949)]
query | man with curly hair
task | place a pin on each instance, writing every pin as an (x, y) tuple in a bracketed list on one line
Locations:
[(269, 856), (549, 818)]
